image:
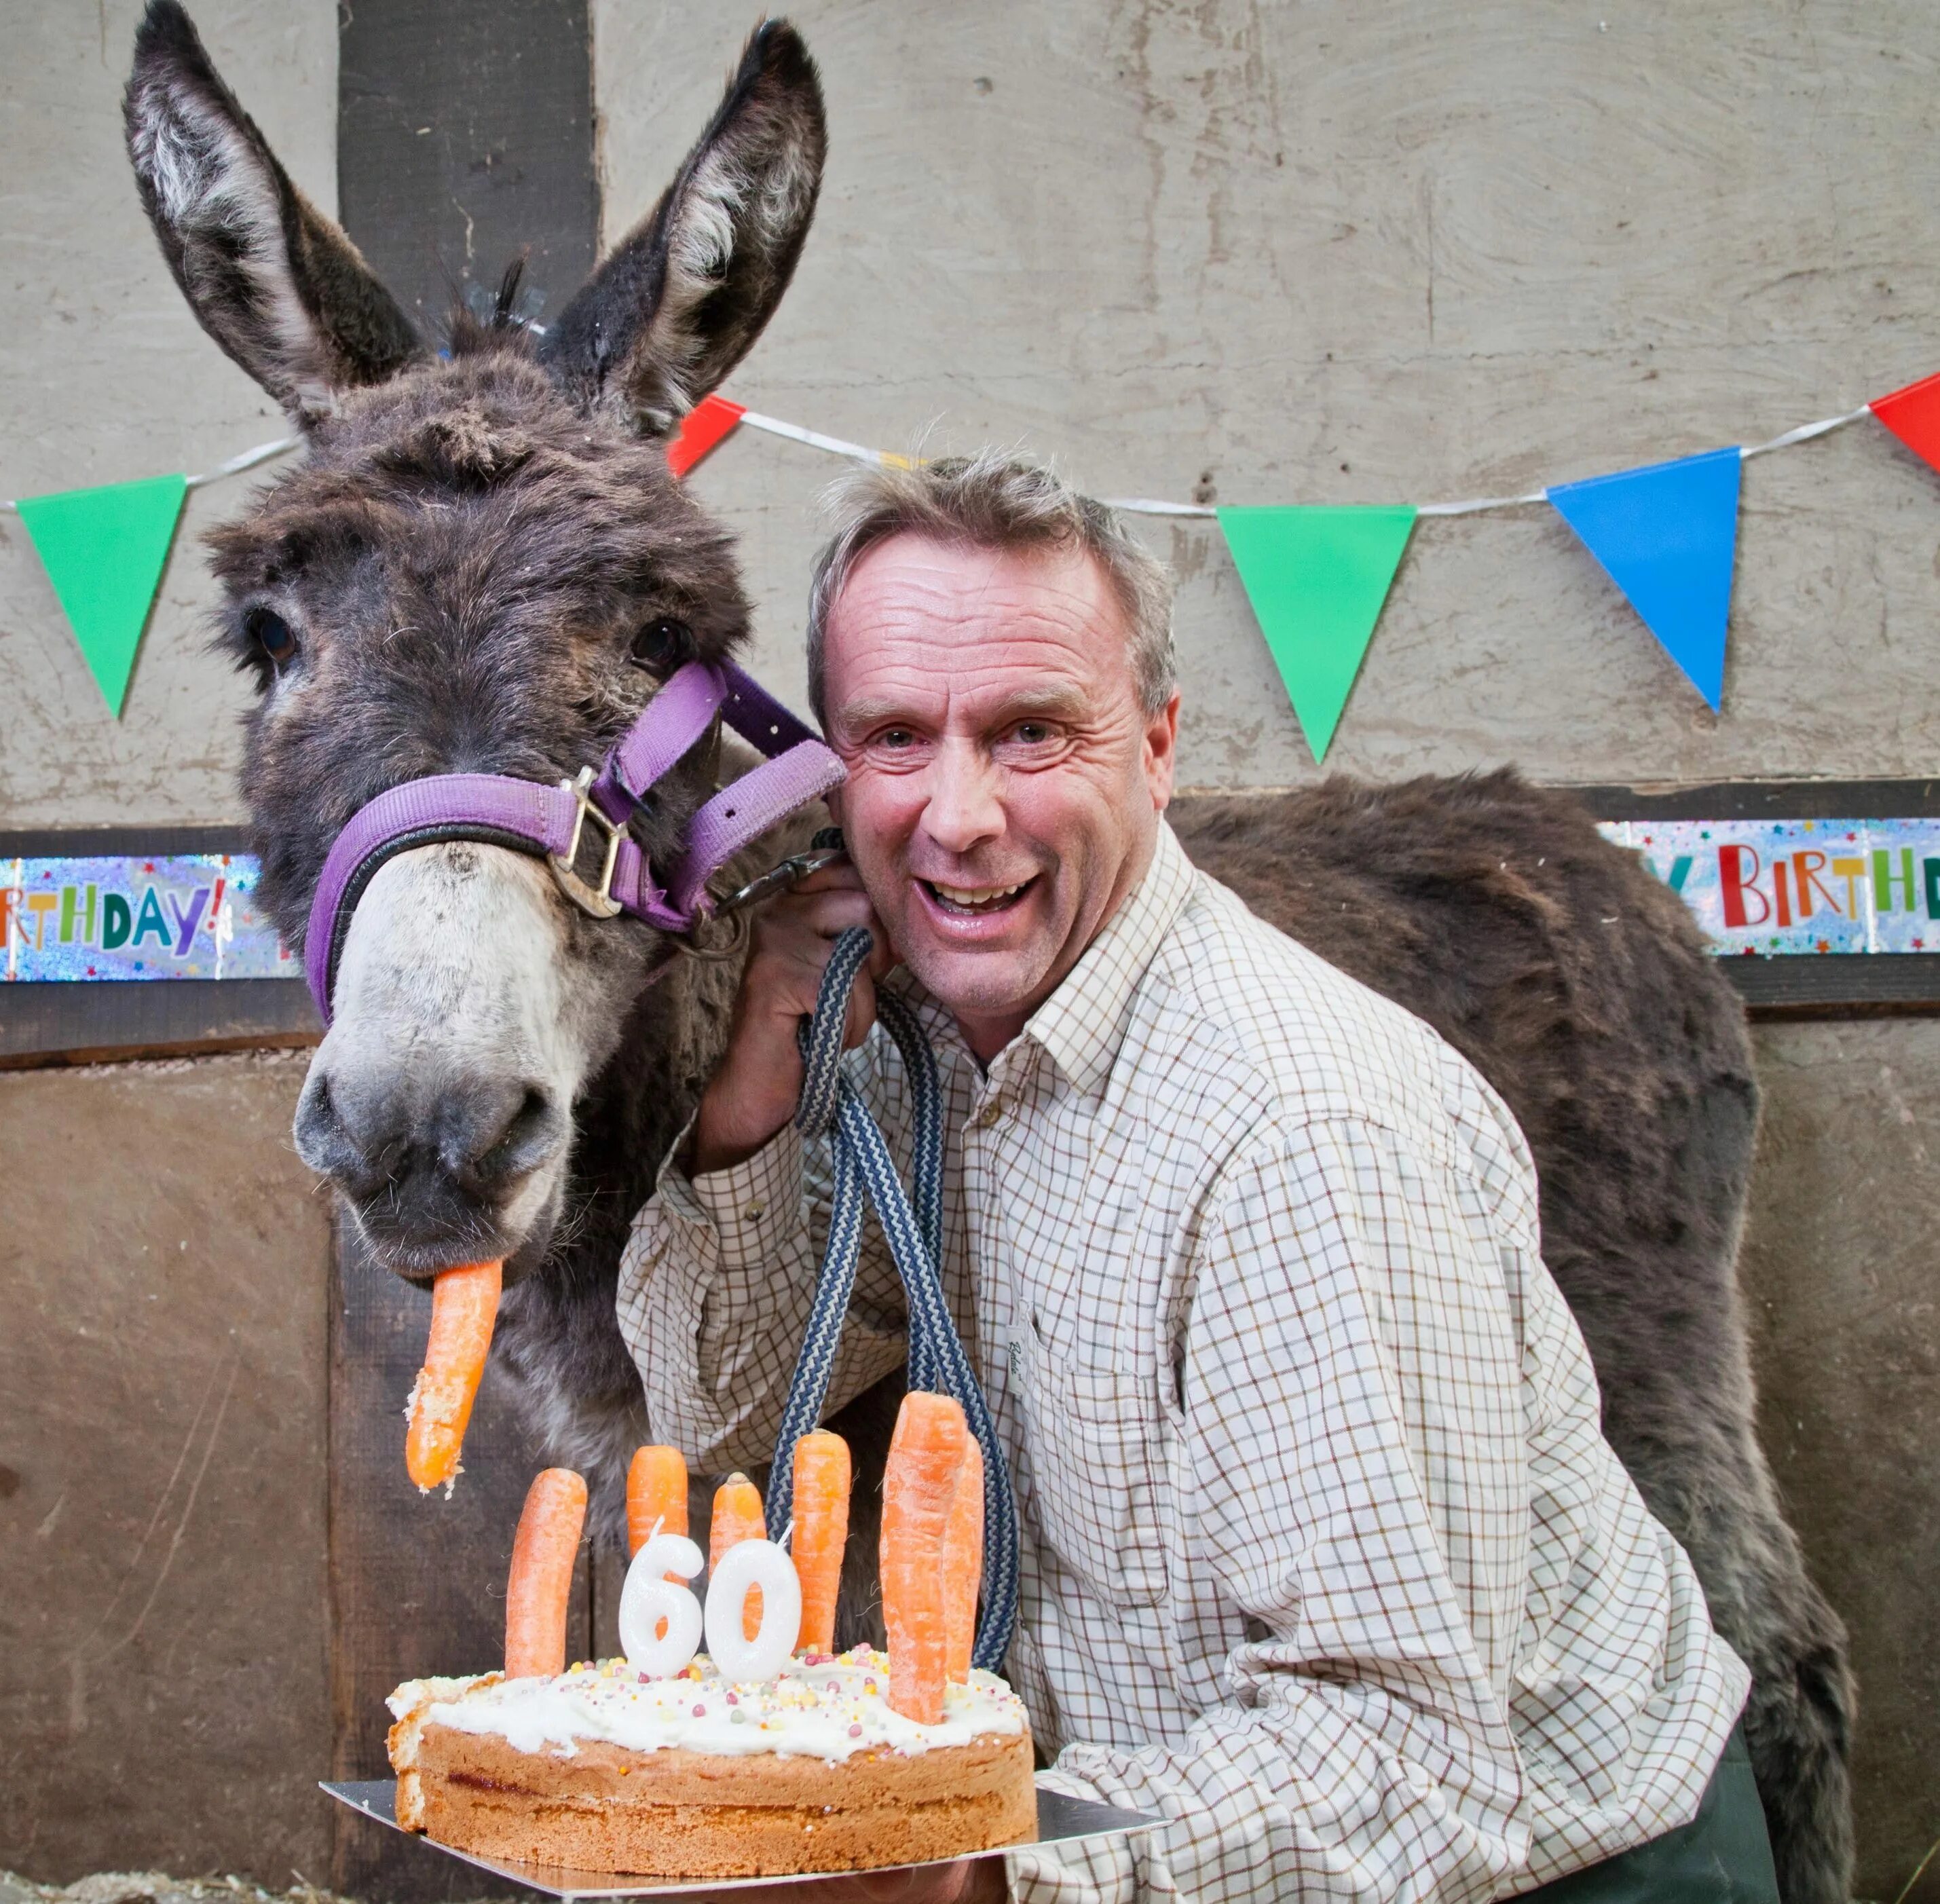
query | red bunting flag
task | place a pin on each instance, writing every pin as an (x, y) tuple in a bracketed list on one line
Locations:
[(703, 429), (1912, 415)]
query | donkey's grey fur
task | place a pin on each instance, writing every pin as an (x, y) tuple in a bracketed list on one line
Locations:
[(465, 562)]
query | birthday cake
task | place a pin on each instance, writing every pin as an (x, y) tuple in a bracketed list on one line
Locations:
[(770, 1754), (602, 1767)]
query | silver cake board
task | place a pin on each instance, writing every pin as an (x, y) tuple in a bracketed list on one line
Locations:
[(1061, 1821)]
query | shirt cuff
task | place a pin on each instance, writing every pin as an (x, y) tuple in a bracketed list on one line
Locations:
[(1093, 1870), (754, 1206)]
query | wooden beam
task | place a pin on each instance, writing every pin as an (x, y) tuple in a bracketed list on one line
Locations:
[(464, 141), (1767, 800)]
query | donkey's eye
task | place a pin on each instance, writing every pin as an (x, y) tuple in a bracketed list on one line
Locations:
[(271, 633), (663, 645)]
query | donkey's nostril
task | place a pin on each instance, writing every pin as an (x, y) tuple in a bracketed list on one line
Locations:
[(324, 1141), (511, 1145)]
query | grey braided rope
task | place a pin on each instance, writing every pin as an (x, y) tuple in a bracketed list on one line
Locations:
[(912, 1224)]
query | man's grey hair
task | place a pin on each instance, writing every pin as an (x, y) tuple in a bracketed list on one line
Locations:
[(994, 500)]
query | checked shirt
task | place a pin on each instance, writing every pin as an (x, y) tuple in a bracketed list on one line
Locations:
[(1325, 1559)]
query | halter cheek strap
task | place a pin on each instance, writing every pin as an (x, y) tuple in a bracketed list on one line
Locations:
[(551, 821)]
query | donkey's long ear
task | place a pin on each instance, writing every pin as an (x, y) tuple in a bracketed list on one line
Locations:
[(274, 282), (675, 306)]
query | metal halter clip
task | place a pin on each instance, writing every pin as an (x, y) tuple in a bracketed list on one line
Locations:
[(777, 880), (600, 903)]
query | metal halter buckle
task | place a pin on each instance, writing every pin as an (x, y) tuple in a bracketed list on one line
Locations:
[(600, 902), (777, 880)]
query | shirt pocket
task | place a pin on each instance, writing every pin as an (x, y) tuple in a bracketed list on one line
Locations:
[(1094, 1457)]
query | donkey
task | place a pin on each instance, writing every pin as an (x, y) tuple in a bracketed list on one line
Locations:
[(483, 565)]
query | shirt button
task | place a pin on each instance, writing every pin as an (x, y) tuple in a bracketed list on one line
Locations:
[(754, 1210)]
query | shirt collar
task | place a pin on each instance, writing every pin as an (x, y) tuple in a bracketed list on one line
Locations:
[(1082, 1025)]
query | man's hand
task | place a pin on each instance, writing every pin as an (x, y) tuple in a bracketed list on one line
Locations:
[(754, 1092), (967, 1880)]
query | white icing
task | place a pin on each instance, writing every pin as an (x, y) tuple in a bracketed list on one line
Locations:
[(831, 1709)]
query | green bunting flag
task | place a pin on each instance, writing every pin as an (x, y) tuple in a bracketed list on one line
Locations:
[(1317, 578), (103, 549)]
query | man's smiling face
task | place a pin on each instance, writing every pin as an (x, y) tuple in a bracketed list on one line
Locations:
[(1005, 785)]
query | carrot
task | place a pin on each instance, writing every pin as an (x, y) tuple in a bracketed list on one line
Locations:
[(541, 1582), (821, 1532), (963, 1563), (656, 1493), (925, 1457), (737, 1517), (464, 1306)]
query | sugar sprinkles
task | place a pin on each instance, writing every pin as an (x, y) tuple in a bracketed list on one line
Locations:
[(825, 1706)]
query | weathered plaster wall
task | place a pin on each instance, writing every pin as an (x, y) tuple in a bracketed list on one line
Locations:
[(1372, 251), (1180, 248), (105, 376)]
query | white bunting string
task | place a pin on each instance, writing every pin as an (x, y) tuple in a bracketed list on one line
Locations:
[(235, 466), (248, 459), (1142, 505), (1131, 505), (835, 445)]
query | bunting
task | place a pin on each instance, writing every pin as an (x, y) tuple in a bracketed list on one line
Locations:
[(1317, 578), (1912, 415), (1667, 535), (103, 549)]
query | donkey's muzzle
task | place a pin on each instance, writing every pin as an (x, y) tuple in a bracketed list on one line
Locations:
[(435, 1175)]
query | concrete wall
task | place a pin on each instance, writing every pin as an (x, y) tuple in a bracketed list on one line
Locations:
[(105, 376), (1377, 251), (1839, 1269), (164, 1700)]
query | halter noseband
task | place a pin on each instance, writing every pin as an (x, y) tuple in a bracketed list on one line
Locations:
[(551, 821)]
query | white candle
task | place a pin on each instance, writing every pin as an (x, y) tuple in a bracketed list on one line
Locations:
[(746, 1564), (649, 1597)]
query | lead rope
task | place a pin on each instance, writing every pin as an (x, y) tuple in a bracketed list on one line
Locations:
[(912, 1224)]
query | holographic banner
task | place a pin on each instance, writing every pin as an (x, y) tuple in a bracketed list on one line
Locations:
[(1766, 887), (184, 916), (1773, 887)]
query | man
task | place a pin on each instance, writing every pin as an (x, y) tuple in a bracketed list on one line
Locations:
[(1325, 1559)]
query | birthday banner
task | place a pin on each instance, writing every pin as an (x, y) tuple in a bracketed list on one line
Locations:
[(1799, 886), (1765, 887), (1318, 577), (184, 916)]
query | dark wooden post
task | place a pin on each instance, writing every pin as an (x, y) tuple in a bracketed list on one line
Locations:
[(464, 141)]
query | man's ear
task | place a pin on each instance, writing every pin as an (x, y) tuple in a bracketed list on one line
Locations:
[(1161, 751), (675, 306), (275, 282)]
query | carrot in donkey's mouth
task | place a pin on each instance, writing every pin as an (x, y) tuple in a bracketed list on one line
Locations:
[(464, 1308)]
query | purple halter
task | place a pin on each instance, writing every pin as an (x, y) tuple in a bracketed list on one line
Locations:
[(531, 818)]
